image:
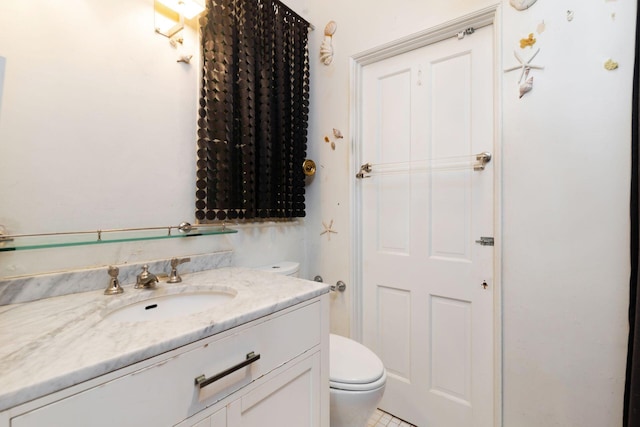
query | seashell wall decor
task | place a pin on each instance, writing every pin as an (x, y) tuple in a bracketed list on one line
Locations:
[(521, 4), (326, 48), (337, 135), (529, 41), (541, 27), (527, 85), (610, 65), (525, 82)]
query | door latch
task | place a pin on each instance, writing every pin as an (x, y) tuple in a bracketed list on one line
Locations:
[(485, 241)]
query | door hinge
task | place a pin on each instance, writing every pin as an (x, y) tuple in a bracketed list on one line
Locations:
[(485, 241), (466, 32)]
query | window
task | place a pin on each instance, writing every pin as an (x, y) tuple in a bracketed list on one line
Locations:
[(254, 108)]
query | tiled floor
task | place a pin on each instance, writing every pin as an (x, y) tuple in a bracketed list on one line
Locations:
[(382, 419)]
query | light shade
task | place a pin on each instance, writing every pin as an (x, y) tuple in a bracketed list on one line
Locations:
[(187, 8)]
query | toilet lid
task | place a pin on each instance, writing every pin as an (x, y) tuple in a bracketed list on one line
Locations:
[(285, 268), (352, 363)]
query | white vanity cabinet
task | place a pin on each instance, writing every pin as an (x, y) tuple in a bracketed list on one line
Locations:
[(288, 399), (272, 371)]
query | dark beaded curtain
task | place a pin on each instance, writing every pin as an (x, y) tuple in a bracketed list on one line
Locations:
[(254, 107)]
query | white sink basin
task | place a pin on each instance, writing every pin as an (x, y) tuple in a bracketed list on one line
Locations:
[(168, 307)]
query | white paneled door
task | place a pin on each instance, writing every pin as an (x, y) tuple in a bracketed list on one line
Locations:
[(427, 285)]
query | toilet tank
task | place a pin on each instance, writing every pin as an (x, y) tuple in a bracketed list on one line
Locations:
[(285, 268)]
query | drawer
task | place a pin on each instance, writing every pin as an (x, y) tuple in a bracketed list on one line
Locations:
[(165, 393)]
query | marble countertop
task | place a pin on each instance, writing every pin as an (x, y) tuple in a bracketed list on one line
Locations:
[(50, 344)]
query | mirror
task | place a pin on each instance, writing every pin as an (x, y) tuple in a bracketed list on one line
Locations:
[(98, 123)]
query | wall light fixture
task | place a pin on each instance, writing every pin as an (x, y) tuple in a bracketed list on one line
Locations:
[(184, 8)]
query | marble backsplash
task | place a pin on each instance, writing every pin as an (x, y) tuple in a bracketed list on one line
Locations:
[(32, 288)]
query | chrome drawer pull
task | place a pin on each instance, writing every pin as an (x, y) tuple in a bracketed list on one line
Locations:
[(203, 381)]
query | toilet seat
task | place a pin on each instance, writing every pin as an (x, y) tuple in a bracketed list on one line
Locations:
[(380, 382), (354, 367)]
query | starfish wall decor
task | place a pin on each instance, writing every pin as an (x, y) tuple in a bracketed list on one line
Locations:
[(524, 65), (328, 229)]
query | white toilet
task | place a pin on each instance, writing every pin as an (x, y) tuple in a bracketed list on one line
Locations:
[(356, 375)]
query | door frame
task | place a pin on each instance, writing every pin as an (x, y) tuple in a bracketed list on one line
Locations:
[(490, 15)]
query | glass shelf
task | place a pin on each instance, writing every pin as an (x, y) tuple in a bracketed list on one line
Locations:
[(60, 240)]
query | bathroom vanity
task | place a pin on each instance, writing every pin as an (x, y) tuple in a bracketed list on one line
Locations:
[(258, 358)]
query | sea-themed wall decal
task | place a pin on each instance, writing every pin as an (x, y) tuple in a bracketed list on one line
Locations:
[(329, 141), (541, 27), (524, 65), (337, 135), (185, 58), (610, 65), (326, 48), (529, 41), (527, 85), (521, 4), (173, 41), (570, 15), (328, 229)]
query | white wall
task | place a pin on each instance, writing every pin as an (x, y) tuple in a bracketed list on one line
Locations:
[(565, 158), (98, 131), (566, 222)]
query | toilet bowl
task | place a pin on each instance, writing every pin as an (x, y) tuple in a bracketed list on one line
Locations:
[(356, 379), (357, 376)]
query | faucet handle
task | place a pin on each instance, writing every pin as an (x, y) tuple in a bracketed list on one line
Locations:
[(114, 284), (174, 277)]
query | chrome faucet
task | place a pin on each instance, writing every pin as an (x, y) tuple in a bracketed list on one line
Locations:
[(174, 277), (146, 280)]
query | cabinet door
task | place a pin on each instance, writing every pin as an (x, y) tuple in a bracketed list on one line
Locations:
[(290, 399), (219, 419)]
